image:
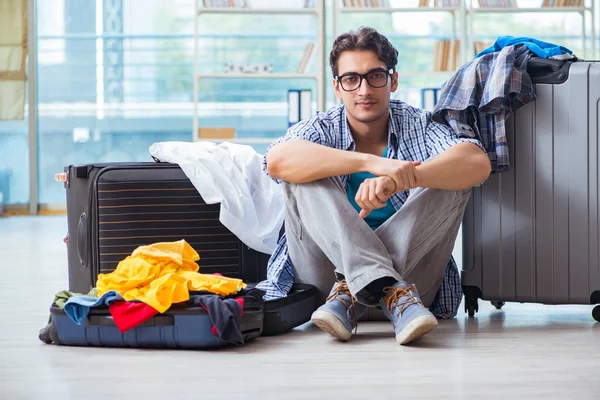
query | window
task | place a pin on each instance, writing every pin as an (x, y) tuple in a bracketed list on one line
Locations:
[(52, 27), (14, 161), (117, 89)]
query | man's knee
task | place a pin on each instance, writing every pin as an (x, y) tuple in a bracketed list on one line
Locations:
[(319, 185), (464, 192), (443, 197)]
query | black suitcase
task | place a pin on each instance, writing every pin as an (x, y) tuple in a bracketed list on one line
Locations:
[(114, 208)]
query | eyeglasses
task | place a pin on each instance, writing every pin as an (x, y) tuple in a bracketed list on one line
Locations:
[(376, 78)]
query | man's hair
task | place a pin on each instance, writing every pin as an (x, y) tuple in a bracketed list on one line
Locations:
[(365, 38)]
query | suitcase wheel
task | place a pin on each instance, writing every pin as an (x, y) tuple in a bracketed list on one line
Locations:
[(596, 313), (472, 310), (471, 305), (471, 293), (498, 304)]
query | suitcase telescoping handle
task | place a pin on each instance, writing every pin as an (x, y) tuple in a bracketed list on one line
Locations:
[(545, 70)]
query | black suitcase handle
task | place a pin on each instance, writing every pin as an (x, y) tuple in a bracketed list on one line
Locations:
[(544, 70), (107, 320)]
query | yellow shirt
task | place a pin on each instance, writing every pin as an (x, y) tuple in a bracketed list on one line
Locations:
[(162, 274)]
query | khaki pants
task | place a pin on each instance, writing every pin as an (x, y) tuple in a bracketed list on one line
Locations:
[(326, 236)]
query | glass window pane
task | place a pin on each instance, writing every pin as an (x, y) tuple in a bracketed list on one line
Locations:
[(114, 77), (14, 161)]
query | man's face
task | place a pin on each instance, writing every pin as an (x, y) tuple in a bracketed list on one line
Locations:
[(366, 103)]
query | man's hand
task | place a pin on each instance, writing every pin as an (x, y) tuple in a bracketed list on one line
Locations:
[(373, 193), (401, 172)]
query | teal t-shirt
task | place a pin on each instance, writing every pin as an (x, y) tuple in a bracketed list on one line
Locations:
[(375, 217)]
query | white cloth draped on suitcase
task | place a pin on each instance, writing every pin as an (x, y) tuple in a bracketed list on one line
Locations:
[(252, 204)]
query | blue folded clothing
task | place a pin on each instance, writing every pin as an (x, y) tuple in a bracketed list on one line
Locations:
[(537, 47), (78, 307)]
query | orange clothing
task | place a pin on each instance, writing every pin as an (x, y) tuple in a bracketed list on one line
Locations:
[(162, 274)]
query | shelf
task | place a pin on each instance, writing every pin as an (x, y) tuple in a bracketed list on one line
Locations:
[(239, 10), (484, 10), (425, 73), (314, 77), (278, 75), (397, 9), (240, 140)]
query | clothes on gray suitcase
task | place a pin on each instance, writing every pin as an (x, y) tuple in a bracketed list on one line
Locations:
[(114, 208), (531, 234)]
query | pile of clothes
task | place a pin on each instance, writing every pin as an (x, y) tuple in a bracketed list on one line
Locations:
[(476, 101), (155, 279)]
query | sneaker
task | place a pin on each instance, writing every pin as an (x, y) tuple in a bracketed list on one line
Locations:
[(340, 313), (403, 306)]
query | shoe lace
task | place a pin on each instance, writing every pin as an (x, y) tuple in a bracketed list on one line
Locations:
[(340, 290), (394, 294)]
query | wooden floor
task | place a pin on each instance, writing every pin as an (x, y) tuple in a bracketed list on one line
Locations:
[(521, 352)]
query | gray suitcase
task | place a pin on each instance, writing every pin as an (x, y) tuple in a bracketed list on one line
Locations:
[(531, 234)]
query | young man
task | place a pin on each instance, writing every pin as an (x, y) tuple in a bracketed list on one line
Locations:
[(375, 194)]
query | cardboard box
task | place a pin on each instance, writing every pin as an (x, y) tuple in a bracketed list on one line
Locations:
[(216, 133)]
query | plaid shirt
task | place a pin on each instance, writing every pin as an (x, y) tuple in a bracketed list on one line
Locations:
[(412, 136), (477, 99)]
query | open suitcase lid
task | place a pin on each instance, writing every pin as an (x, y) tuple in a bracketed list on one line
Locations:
[(282, 315)]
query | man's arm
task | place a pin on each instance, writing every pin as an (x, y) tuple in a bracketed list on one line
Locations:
[(301, 161), (460, 167)]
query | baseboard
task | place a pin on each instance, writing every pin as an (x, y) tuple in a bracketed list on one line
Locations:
[(15, 209), (43, 209), (52, 209)]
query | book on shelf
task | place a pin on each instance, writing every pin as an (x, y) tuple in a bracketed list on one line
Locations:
[(498, 3), (242, 3), (305, 104), (365, 3), (563, 3), (299, 105), (446, 55), (446, 3), (225, 3), (386, 3), (305, 58), (429, 97)]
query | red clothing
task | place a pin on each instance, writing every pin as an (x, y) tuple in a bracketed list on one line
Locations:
[(129, 314)]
